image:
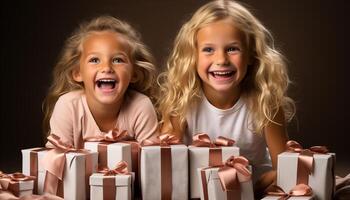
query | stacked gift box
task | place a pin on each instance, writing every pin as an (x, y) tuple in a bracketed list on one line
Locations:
[(107, 168), (304, 173)]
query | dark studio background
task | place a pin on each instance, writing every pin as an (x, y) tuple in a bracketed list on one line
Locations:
[(313, 35)]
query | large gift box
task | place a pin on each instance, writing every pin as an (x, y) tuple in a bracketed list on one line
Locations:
[(17, 183), (164, 169), (115, 184), (204, 153), (313, 167), (62, 172), (229, 181)]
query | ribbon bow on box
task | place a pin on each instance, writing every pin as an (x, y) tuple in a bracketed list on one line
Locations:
[(305, 159), (10, 182), (298, 190), (203, 140), (121, 168), (231, 175), (111, 136), (162, 140)]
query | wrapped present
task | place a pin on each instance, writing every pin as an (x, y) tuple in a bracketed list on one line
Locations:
[(203, 153), (229, 181), (298, 192), (313, 167), (164, 169), (32, 167), (110, 184), (112, 148), (63, 170), (17, 183)]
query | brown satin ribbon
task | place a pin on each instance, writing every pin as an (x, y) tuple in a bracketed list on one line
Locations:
[(305, 159), (109, 187), (166, 171), (54, 164), (296, 191), (215, 152), (10, 182), (33, 166)]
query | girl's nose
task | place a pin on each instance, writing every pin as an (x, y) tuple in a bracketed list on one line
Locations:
[(107, 68), (221, 59)]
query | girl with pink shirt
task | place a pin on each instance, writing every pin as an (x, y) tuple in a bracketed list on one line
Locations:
[(102, 82)]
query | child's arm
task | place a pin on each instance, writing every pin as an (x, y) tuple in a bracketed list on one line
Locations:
[(276, 138), (61, 122)]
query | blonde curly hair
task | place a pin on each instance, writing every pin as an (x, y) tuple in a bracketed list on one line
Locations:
[(266, 81), (63, 82)]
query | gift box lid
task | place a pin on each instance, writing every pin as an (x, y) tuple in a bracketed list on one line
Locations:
[(120, 179), (94, 145), (23, 185)]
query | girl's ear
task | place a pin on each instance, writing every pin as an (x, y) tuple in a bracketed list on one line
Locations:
[(135, 76), (76, 75)]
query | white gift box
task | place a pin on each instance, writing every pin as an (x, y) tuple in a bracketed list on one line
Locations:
[(214, 188), (116, 152), (270, 197), (321, 180), (151, 172), (21, 188), (74, 178), (123, 186), (199, 158)]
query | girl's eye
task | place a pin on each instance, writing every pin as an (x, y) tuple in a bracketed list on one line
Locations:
[(118, 60), (94, 60), (208, 49), (233, 49)]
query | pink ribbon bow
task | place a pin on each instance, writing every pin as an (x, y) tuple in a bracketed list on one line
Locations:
[(234, 172), (10, 182), (121, 168), (162, 140), (305, 159), (203, 140), (298, 190), (111, 136)]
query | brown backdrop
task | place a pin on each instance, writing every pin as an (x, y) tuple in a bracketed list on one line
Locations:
[(311, 34)]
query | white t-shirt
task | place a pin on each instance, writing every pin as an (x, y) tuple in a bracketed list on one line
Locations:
[(234, 123)]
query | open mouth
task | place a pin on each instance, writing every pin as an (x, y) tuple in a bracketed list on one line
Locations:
[(222, 74), (106, 83)]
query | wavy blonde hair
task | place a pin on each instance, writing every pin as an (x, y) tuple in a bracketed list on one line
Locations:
[(63, 82), (266, 81)]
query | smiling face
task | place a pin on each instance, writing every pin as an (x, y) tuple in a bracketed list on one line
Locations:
[(105, 68), (222, 58)]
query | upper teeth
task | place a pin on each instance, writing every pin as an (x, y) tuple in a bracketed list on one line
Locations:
[(106, 80), (221, 73)]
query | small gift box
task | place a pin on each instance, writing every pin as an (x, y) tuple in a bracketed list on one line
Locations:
[(229, 181), (203, 153), (63, 170), (313, 167), (298, 192), (164, 169), (112, 184), (17, 183)]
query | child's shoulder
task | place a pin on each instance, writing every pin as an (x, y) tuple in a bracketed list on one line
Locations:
[(71, 96), (136, 98)]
